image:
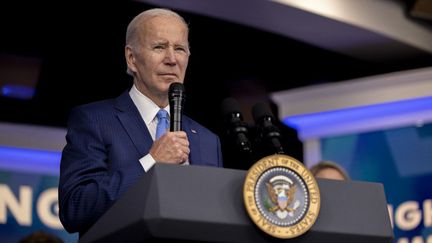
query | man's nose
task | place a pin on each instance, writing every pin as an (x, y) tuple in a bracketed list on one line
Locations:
[(170, 57)]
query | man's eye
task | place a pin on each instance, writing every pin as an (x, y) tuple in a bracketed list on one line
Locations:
[(159, 47), (181, 49)]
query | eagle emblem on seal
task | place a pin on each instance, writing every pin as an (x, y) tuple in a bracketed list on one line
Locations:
[(281, 191)]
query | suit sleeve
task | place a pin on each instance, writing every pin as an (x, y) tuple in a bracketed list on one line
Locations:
[(86, 188)]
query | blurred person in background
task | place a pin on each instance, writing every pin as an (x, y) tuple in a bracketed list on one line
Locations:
[(329, 170)]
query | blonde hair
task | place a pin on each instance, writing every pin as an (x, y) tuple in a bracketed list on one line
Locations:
[(327, 164)]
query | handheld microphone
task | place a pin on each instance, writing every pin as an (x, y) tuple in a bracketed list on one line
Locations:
[(176, 97), (236, 127), (267, 131)]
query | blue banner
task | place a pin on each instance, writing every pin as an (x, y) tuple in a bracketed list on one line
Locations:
[(400, 159), (29, 194)]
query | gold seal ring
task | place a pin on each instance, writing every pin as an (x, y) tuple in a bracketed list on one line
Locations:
[(281, 196)]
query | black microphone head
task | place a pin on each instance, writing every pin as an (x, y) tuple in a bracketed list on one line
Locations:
[(230, 106), (175, 89), (268, 131), (260, 111)]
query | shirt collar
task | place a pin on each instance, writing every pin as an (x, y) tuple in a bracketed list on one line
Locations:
[(146, 107)]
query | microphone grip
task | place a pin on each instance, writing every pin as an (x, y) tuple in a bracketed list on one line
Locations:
[(176, 98), (176, 118), (243, 143)]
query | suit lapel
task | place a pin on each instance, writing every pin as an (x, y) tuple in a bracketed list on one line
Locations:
[(135, 127), (194, 141), (133, 123)]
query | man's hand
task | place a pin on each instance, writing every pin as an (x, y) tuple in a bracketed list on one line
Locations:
[(171, 148)]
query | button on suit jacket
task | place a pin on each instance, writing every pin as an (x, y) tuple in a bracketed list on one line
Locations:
[(105, 141)]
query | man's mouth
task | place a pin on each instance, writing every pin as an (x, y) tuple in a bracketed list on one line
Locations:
[(168, 74)]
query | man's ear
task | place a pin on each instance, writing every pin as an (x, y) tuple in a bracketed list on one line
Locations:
[(130, 58)]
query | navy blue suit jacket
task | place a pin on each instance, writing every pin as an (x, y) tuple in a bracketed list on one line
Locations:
[(105, 141)]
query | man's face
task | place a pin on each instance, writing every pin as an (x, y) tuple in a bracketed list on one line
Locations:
[(163, 55)]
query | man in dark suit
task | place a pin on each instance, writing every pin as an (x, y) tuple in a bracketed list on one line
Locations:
[(111, 143)]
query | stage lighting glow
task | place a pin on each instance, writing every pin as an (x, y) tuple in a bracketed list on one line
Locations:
[(17, 91), (361, 119), (30, 160)]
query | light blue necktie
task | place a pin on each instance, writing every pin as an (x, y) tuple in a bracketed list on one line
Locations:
[(163, 123)]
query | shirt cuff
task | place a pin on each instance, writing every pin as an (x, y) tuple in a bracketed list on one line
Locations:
[(147, 162)]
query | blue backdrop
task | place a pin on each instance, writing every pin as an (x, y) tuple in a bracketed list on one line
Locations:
[(401, 159)]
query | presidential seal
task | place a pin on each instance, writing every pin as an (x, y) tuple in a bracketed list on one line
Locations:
[(281, 196)]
